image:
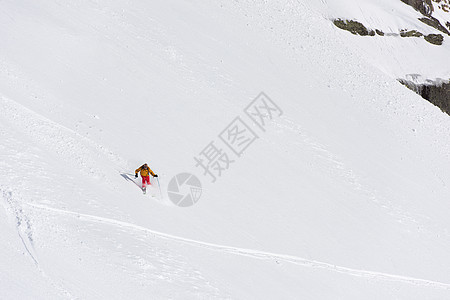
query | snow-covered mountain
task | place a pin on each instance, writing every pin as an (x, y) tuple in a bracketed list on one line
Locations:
[(409, 43), (338, 189)]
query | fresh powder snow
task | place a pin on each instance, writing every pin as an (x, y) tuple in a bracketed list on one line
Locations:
[(339, 190)]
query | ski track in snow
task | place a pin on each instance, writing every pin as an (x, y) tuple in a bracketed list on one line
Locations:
[(256, 254), (22, 223), (25, 233)]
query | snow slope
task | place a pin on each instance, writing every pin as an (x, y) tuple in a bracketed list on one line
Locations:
[(407, 58), (344, 196)]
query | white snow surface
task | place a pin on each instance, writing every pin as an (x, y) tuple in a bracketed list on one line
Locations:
[(346, 195)]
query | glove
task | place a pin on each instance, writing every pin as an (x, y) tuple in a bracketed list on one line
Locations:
[(156, 175), (135, 175)]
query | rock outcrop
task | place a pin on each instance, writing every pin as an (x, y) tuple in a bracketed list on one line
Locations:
[(354, 27), (437, 93), (426, 8)]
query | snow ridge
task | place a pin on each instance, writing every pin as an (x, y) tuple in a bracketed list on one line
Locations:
[(256, 254), (73, 147)]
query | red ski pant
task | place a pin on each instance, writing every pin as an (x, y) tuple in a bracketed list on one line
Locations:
[(145, 181)]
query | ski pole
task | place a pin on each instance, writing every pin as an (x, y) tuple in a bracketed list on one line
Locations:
[(159, 186)]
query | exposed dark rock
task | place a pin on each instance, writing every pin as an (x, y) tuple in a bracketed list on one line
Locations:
[(433, 22), (358, 28), (435, 39), (424, 6), (410, 33), (379, 32), (438, 93), (448, 25), (354, 27)]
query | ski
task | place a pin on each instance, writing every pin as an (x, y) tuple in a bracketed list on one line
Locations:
[(155, 190)]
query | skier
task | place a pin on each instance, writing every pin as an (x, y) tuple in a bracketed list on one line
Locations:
[(145, 174)]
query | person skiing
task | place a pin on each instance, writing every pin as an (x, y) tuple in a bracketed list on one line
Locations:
[(145, 172)]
